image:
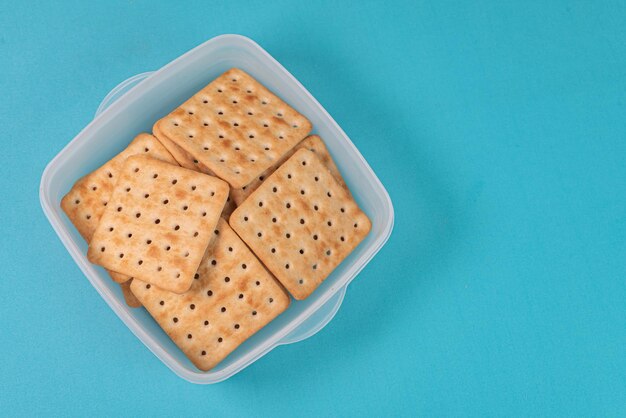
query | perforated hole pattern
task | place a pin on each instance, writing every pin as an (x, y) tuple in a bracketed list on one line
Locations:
[(235, 128), (301, 223)]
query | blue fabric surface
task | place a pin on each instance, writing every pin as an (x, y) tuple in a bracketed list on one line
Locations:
[(498, 129)]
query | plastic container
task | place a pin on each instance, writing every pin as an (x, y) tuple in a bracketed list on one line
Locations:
[(132, 107)]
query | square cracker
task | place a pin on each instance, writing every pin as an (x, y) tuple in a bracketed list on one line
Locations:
[(86, 201), (313, 143), (232, 297), (301, 223), (158, 223), (235, 127)]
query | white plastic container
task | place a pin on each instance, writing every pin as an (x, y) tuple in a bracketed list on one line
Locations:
[(133, 107)]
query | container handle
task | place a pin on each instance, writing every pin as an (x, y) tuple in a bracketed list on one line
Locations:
[(119, 90), (314, 324)]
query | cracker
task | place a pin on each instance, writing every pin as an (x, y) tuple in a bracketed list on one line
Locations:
[(129, 297), (235, 127), (313, 143), (186, 160), (158, 223), (232, 297), (301, 223), (86, 201)]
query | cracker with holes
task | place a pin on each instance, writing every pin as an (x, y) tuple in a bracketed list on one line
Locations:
[(235, 127), (86, 201), (301, 223), (158, 222), (313, 143), (232, 297)]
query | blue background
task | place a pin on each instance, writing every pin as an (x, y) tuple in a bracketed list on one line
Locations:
[(499, 131)]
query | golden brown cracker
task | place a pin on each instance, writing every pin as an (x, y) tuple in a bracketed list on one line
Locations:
[(235, 127), (158, 222), (301, 223)]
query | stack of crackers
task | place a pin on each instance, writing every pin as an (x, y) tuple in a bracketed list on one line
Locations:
[(214, 219)]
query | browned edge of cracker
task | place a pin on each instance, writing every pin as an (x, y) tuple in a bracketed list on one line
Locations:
[(118, 277), (180, 155), (130, 299)]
